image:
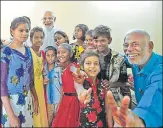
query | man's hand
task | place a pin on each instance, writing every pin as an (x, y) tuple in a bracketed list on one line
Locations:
[(123, 116)]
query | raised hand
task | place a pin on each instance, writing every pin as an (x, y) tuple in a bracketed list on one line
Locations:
[(85, 96), (123, 116), (78, 75), (119, 115)]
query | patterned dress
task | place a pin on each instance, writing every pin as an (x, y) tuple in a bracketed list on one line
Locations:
[(93, 114), (16, 80)]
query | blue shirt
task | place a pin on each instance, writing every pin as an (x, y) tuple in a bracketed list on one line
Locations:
[(148, 91), (53, 88)]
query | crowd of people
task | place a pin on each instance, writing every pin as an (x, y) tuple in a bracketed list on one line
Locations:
[(48, 81)]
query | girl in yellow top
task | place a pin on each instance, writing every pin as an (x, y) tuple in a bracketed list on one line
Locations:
[(36, 37), (79, 46)]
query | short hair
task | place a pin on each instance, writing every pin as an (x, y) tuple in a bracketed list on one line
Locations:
[(50, 12), (19, 20), (101, 30), (51, 48), (140, 31), (63, 34), (36, 29), (87, 54), (84, 29), (89, 32)]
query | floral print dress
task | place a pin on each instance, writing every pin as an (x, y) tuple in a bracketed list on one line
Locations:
[(93, 114), (16, 80)]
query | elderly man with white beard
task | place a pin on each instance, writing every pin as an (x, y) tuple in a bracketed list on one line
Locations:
[(49, 19), (147, 71)]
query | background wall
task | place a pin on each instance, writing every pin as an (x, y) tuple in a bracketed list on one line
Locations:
[(120, 16)]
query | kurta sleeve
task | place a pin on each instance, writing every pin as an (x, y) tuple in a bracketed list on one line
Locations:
[(4, 74), (5, 60)]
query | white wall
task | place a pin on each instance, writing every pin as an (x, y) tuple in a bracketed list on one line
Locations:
[(120, 16)]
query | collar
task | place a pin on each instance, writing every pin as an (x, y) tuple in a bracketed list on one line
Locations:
[(50, 29), (91, 81), (55, 65), (146, 70)]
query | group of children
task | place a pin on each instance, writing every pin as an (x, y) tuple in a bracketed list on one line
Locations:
[(44, 88)]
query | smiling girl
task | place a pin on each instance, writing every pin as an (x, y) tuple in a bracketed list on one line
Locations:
[(68, 112)]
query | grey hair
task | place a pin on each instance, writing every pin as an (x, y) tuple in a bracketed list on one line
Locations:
[(67, 47), (19, 20), (140, 31), (51, 13)]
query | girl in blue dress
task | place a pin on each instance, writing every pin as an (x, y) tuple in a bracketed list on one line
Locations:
[(17, 79)]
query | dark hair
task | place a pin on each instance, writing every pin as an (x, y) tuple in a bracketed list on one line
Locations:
[(101, 30), (50, 48), (17, 21), (89, 32), (84, 29), (27, 18), (87, 54), (63, 34), (36, 29)]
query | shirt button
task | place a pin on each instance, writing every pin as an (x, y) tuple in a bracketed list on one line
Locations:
[(141, 91)]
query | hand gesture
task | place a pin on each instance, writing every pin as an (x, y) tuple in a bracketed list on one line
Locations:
[(78, 75), (123, 116), (85, 96)]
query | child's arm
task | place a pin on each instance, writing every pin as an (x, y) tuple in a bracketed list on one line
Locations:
[(45, 75), (13, 119), (61, 90), (79, 76), (33, 91), (35, 101)]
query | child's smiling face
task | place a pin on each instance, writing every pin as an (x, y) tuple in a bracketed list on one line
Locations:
[(92, 66)]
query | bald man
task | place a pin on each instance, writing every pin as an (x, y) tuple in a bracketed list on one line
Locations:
[(147, 71), (49, 23)]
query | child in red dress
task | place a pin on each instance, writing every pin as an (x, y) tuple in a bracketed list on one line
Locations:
[(68, 112)]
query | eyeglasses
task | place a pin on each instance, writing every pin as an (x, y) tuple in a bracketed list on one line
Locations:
[(47, 18)]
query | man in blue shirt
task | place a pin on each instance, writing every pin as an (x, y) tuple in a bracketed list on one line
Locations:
[(147, 71)]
